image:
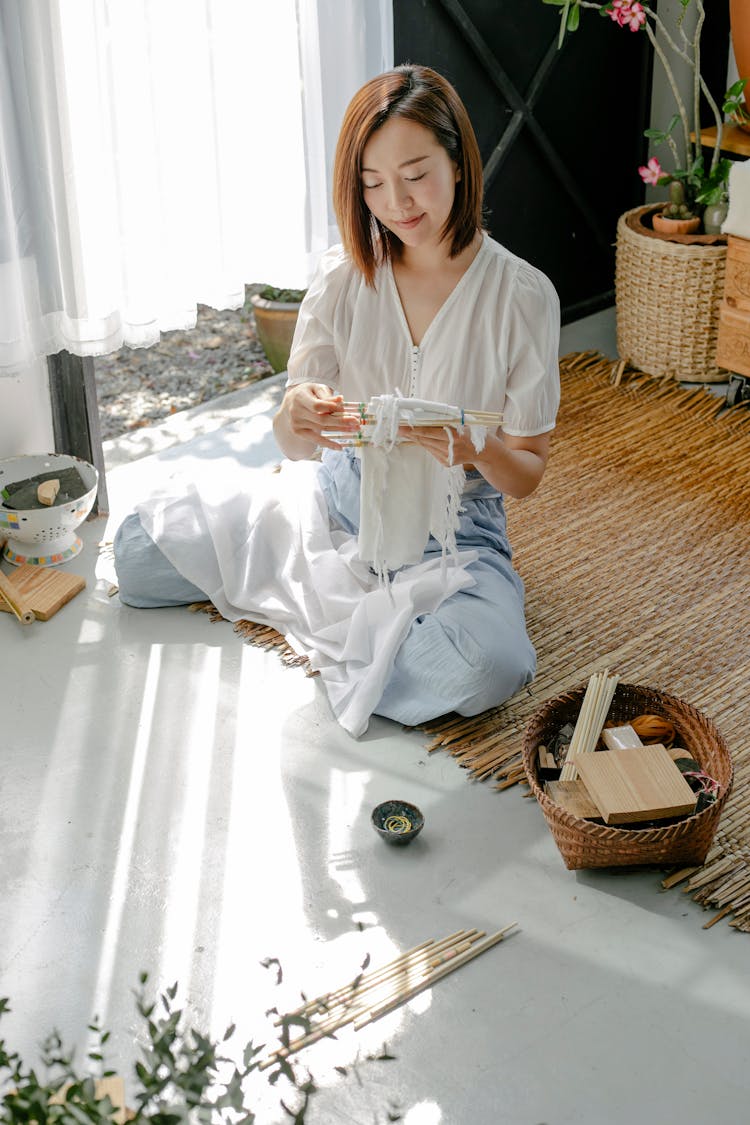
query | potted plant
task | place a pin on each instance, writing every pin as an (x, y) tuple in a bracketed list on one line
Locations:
[(275, 311), (662, 328), (701, 183), (677, 217)]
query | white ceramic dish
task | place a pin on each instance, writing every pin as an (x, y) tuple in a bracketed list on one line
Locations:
[(44, 536)]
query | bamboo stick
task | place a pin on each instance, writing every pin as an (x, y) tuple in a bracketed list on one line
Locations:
[(454, 951), (450, 960), (347, 1010), (717, 917), (678, 877), (362, 1012), (435, 976), (16, 601), (434, 410), (469, 419), (597, 700), (510, 780), (453, 731), (722, 868), (360, 983)]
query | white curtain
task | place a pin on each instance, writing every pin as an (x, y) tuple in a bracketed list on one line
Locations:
[(158, 154)]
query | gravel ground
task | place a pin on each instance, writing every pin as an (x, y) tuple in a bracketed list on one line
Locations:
[(143, 386)]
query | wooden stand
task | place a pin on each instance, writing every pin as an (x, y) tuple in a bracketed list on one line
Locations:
[(733, 340), (733, 139)]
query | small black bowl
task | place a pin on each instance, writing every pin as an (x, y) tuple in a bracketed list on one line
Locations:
[(397, 822)]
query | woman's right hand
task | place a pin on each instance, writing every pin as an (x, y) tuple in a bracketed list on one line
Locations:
[(305, 413)]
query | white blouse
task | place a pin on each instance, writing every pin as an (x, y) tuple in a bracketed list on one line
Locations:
[(493, 345)]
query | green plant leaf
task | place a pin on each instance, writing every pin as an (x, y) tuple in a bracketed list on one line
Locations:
[(176, 1081)]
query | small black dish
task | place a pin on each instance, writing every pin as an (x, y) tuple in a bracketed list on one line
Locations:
[(397, 822)]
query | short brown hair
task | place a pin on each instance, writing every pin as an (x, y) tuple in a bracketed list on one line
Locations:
[(418, 94)]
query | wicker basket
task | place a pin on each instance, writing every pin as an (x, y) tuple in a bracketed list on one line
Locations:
[(583, 843), (668, 296)]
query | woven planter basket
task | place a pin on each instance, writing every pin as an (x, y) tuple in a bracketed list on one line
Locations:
[(668, 296), (583, 843)]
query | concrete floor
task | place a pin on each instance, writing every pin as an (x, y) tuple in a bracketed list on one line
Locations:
[(177, 802)]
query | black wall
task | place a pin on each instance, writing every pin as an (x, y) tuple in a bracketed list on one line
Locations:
[(561, 132)]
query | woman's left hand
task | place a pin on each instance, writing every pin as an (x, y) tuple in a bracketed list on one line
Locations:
[(511, 464), (446, 444)]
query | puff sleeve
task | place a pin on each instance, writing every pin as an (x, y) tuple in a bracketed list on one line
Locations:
[(532, 394), (314, 354)]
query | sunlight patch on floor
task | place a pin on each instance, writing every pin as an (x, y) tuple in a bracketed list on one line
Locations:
[(181, 906), (112, 935)]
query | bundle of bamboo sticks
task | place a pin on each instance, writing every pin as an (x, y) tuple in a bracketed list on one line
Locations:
[(416, 412), (373, 994), (591, 718)]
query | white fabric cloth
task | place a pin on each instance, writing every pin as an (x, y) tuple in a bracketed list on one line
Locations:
[(157, 154), (406, 496), (262, 548), (492, 346)]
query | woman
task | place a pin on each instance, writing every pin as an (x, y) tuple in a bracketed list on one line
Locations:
[(418, 298)]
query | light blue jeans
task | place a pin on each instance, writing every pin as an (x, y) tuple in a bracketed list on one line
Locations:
[(471, 654)]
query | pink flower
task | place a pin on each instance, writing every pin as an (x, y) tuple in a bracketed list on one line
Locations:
[(636, 17), (652, 172), (627, 13)]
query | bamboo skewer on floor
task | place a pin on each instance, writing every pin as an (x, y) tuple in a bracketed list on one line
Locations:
[(431, 962), (345, 1012), (352, 991), (440, 972)]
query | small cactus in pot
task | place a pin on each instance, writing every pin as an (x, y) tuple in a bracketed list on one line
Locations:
[(678, 207), (677, 217)]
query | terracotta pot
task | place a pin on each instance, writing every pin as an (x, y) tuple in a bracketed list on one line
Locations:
[(640, 221), (739, 15), (275, 322), (676, 226)]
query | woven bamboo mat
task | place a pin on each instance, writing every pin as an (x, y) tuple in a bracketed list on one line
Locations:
[(634, 552)]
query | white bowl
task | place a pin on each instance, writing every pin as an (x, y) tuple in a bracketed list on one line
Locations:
[(44, 536)]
